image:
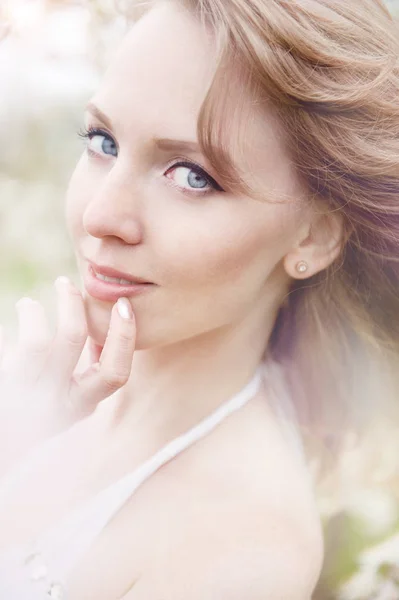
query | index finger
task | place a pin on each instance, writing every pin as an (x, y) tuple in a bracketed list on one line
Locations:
[(71, 332), (116, 359)]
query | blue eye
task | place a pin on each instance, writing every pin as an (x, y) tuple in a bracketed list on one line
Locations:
[(196, 180), (99, 142), (189, 177)]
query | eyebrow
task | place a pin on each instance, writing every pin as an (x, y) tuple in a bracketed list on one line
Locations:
[(161, 143)]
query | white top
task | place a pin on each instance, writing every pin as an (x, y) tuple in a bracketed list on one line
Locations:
[(40, 570)]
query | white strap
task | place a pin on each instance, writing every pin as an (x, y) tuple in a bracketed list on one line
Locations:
[(66, 543)]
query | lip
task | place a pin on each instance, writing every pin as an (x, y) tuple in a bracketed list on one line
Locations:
[(110, 292), (110, 272)]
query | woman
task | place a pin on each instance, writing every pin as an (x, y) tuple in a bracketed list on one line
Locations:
[(227, 277)]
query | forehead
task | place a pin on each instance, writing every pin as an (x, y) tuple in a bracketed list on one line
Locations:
[(160, 73), (157, 83)]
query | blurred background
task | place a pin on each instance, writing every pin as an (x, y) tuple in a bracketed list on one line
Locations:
[(52, 55)]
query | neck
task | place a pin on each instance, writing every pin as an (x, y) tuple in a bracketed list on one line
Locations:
[(173, 387)]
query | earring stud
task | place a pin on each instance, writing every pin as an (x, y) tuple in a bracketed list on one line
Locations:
[(302, 266)]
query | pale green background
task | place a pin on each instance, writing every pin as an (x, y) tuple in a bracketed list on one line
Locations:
[(50, 64)]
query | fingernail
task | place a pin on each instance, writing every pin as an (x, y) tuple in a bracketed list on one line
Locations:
[(24, 300), (124, 308), (62, 280)]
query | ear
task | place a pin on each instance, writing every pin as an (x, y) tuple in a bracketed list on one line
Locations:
[(320, 244)]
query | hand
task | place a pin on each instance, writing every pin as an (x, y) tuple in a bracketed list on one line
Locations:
[(40, 392)]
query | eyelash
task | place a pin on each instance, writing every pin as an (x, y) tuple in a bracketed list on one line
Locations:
[(90, 132)]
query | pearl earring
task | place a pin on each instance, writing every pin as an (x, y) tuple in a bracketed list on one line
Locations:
[(302, 266)]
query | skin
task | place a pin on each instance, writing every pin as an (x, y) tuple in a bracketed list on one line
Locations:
[(222, 264)]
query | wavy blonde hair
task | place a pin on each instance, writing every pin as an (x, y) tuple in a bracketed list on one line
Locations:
[(330, 69)]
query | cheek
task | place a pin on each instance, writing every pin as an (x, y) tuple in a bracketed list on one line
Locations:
[(212, 273), (232, 250)]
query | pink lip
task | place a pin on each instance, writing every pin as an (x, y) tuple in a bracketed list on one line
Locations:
[(110, 292), (110, 272)]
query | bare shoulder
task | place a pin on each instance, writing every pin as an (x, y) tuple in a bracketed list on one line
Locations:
[(251, 463), (255, 532), (276, 540)]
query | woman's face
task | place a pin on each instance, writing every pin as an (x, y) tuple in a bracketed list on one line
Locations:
[(214, 256)]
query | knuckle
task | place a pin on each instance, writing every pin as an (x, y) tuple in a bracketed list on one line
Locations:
[(75, 337), (113, 379), (36, 347), (125, 338)]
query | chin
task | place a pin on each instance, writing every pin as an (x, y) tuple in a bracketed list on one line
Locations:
[(98, 316), (150, 333)]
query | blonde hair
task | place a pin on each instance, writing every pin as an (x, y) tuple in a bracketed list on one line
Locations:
[(330, 69)]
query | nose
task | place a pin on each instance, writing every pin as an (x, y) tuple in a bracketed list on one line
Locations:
[(114, 207)]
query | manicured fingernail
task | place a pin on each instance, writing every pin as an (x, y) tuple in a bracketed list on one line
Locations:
[(62, 280), (124, 308), (24, 300)]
